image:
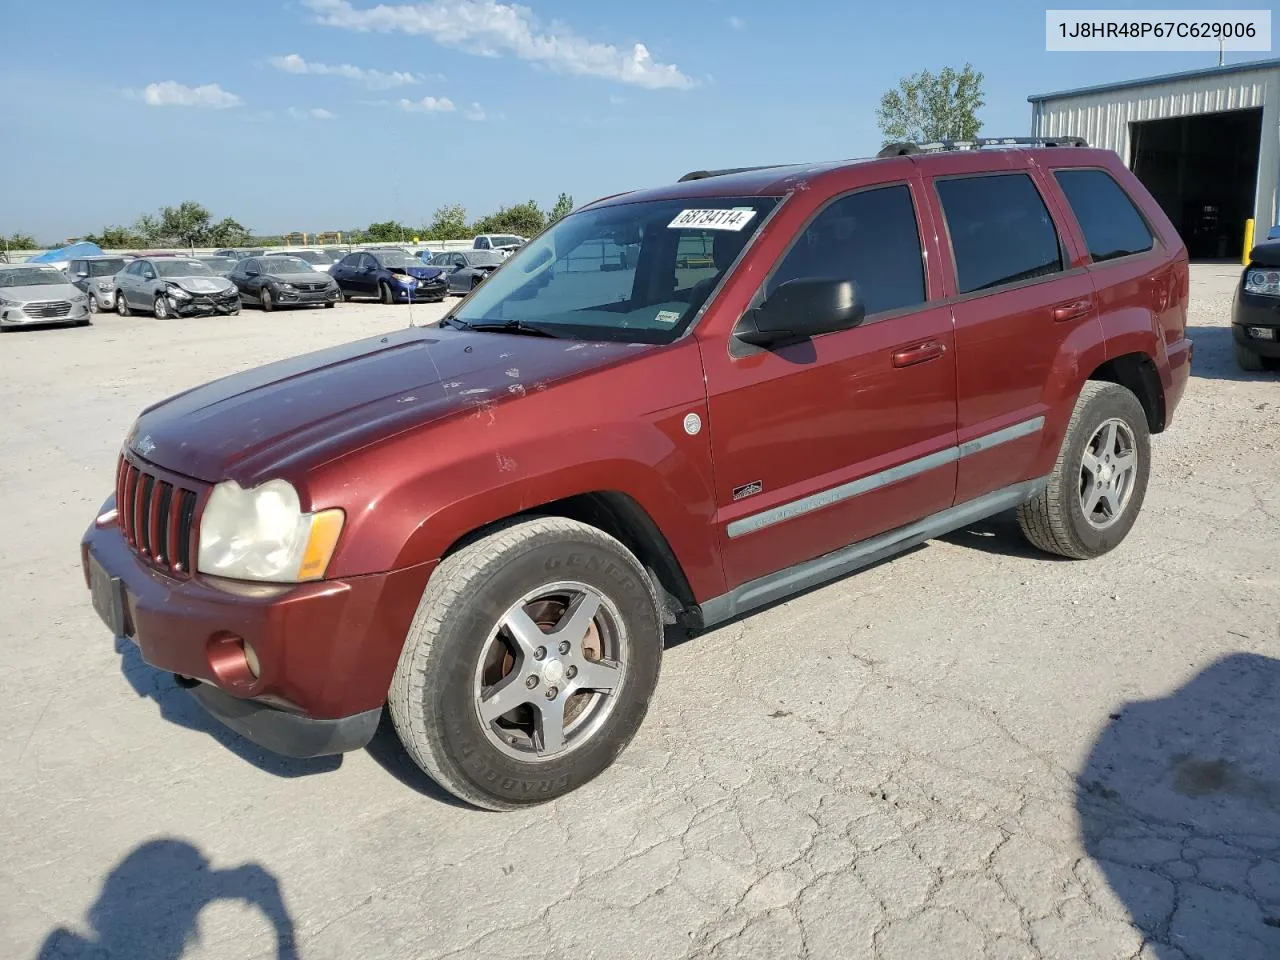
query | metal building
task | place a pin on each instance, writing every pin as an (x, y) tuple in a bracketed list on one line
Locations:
[(1206, 143)]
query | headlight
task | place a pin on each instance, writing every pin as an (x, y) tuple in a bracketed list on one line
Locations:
[(104, 286), (1263, 281), (9, 303), (178, 293), (287, 286), (262, 534), (80, 298), (404, 278)]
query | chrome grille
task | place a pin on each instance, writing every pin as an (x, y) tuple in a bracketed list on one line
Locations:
[(47, 309)]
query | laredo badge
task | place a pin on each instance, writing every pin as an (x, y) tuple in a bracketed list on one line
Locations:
[(747, 490)]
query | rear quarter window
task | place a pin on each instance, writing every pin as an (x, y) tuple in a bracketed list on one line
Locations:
[(1108, 218)]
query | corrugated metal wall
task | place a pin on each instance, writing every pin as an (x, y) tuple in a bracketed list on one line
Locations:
[(1103, 119)]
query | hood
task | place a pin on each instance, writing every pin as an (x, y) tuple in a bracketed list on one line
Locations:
[(301, 412), (41, 291), (202, 284), (422, 273), (1266, 254), (311, 276)]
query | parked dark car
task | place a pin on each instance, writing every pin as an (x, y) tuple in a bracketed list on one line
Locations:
[(277, 281), (1255, 314), (174, 287), (96, 276), (466, 269), (219, 265), (391, 276), (239, 254)]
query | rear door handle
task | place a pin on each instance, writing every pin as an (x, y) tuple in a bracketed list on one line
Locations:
[(919, 353), (1070, 311)]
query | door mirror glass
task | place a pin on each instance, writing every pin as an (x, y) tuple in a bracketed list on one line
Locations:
[(801, 309)]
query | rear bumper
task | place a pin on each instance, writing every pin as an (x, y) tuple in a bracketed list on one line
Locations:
[(1253, 310), (326, 650)]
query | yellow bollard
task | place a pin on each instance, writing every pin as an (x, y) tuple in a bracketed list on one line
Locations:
[(1248, 242)]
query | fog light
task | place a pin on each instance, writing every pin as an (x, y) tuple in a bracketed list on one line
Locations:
[(251, 660), (1262, 333)]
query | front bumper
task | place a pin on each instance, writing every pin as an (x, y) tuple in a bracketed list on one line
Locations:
[(302, 298), (326, 650), (426, 290), (202, 306), (16, 317), (1256, 310), (106, 298)]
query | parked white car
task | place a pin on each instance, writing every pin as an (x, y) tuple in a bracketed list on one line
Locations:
[(34, 294)]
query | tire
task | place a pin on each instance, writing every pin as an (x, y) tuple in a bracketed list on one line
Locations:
[(122, 305), (342, 297), (384, 290), (448, 660), (330, 304), (475, 282), (1056, 520), (1249, 361), (161, 308), (264, 298), (93, 304)]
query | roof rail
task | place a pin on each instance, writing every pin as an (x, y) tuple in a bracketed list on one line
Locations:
[(978, 143), (703, 174)]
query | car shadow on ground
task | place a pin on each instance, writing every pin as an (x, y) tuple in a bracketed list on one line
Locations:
[(178, 707), (999, 535), (1215, 358), (1179, 806), (149, 907), (388, 753)]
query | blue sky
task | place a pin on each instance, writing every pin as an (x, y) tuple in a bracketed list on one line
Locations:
[(288, 114)]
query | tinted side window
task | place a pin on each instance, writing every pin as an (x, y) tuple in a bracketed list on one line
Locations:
[(869, 237), (1111, 224), (1000, 230)]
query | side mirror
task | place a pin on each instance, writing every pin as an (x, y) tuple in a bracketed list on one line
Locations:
[(801, 309)]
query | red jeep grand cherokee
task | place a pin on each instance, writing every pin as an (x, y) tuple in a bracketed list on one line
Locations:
[(673, 406)]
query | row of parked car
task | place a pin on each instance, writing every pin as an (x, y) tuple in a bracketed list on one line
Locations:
[(168, 285)]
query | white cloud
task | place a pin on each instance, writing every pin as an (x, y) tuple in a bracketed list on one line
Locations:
[(314, 113), (428, 105), (474, 112), (373, 79), (737, 23), (172, 94), (491, 28)]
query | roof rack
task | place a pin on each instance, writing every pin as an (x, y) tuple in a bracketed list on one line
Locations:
[(978, 143), (703, 174)]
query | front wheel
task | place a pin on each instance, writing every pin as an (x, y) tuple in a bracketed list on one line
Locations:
[(385, 291), (1249, 361), (267, 303), (1098, 484), (161, 308), (529, 664), (122, 305), (93, 304)]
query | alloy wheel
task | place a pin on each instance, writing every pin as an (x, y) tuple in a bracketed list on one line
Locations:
[(1107, 473)]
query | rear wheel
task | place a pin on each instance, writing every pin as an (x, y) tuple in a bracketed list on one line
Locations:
[(267, 303), (387, 296), (529, 665), (122, 305), (1097, 487)]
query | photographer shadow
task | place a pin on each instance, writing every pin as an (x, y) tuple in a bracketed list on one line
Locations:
[(1179, 805), (150, 904)]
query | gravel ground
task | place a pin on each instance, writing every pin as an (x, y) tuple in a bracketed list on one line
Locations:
[(970, 751)]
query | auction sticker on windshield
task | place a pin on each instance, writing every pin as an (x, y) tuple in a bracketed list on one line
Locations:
[(712, 219)]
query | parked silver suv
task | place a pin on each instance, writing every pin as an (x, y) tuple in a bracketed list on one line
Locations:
[(96, 277), (174, 287), (38, 293)]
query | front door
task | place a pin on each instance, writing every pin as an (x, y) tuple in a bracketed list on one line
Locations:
[(830, 441)]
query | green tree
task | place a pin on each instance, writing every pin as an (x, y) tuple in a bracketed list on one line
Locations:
[(524, 219), (228, 233), (117, 238), (447, 223), (563, 207), (924, 107), (188, 223), (18, 241), (389, 231)]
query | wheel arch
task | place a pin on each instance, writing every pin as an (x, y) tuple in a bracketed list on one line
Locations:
[(1137, 373)]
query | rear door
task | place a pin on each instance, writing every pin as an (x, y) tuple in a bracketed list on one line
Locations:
[(1018, 304), (830, 441)]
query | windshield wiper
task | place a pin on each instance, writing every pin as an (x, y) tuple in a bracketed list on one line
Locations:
[(508, 326)]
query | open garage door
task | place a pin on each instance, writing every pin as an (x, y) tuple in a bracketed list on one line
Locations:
[(1203, 170)]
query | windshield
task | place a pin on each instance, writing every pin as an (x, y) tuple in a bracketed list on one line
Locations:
[(311, 256), (285, 265), (635, 272), (505, 240), (181, 268), (31, 276), (396, 260), (218, 263), (105, 268)]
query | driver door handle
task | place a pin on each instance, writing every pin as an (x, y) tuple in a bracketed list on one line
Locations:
[(918, 353), (1072, 310)]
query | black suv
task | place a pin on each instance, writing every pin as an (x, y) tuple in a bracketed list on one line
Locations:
[(1255, 314)]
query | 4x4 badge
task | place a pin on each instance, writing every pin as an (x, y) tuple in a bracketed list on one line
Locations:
[(747, 490)]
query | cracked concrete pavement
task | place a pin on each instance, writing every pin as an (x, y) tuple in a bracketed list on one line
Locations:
[(972, 751)]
